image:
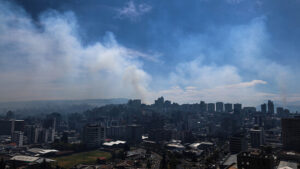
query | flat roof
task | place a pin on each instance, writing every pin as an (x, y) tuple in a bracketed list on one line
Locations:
[(175, 145), (25, 158), (41, 151), (195, 145), (111, 143)]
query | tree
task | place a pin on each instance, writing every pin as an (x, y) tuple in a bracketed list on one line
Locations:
[(148, 164)]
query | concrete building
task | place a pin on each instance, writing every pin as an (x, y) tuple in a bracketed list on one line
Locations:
[(211, 107), (237, 108), (256, 137), (228, 107), (30, 132), (282, 113), (291, 133), (94, 135), (219, 107), (18, 125), (270, 107), (238, 143), (134, 134), (17, 137), (116, 132), (263, 108), (203, 107), (131, 133), (259, 120), (7, 127)]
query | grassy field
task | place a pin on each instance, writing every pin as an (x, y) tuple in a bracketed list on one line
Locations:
[(89, 157)]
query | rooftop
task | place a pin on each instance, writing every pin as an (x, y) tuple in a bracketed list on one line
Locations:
[(196, 145), (25, 158), (112, 143), (41, 151)]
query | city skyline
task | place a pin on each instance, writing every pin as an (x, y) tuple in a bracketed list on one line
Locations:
[(140, 49), (160, 84)]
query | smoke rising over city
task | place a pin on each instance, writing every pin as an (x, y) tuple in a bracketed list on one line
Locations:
[(48, 57), (160, 84)]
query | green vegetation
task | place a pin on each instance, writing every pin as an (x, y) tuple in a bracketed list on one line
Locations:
[(89, 157)]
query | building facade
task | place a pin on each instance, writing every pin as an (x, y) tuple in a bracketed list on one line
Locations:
[(291, 133), (93, 135), (219, 107)]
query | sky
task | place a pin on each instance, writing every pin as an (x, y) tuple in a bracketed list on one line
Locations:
[(239, 51)]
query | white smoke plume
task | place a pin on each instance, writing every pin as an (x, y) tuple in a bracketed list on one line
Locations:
[(46, 60)]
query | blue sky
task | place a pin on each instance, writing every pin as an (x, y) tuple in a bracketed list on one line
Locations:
[(230, 50)]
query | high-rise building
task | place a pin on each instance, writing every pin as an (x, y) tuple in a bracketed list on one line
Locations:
[(237, 108), (116, 132), (238, 143), (93, 135), (211, 107), (263, 108), (291, 133), (30, 133), (17, 138), (270, 107), (134, 134), (203, 107), (43, 135), (256, 137), (228, 107), (259, 120), (7, 127), (219, 107), (18, 125)]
